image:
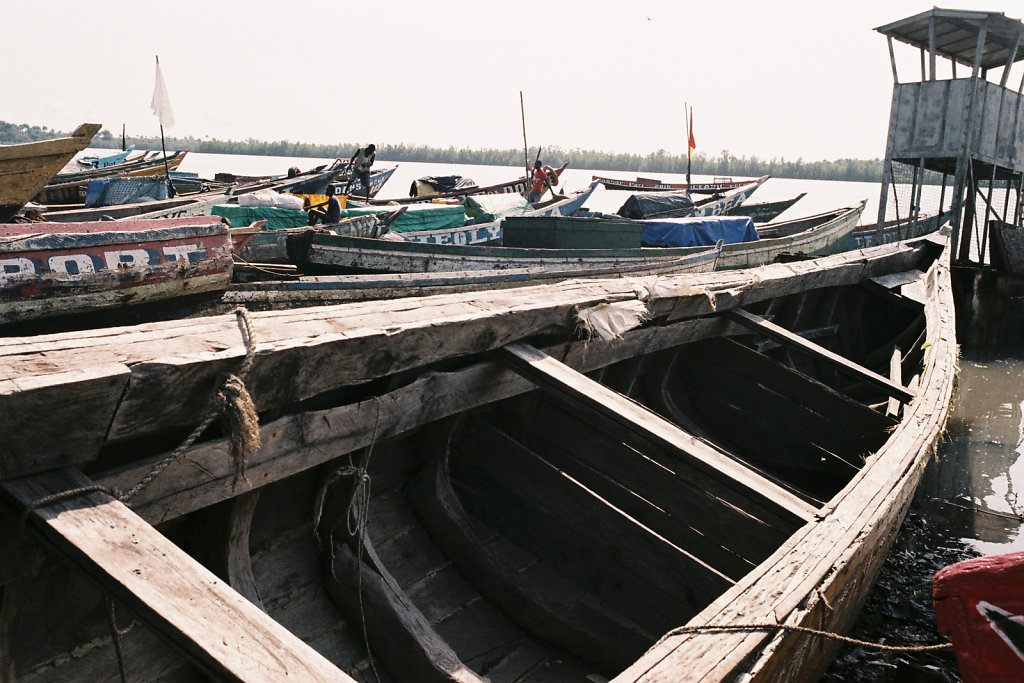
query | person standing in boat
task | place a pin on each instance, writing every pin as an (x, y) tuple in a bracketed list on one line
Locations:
[(332, 214), (359, 167), (540, 178)]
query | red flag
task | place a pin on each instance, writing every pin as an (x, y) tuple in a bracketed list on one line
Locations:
[(693, 144)]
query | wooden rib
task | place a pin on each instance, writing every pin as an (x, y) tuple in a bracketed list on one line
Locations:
[(729, 474), (179, 598), (237, 560), (896, 375), (784, 336), (609, 642), (397, 631)]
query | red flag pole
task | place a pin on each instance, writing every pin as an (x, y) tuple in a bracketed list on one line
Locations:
[(689, 136)]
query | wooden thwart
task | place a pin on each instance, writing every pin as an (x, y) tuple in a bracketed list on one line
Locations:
[(180, 599), (551, 375), (784, 336)]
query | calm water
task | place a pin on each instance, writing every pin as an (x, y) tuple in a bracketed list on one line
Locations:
[(972, 492)]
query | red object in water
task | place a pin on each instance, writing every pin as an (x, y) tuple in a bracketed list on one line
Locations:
[(979, 603)]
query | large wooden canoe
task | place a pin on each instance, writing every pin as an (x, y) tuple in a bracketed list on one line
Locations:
[(801, 238), (474, 486), (519, 185), (63, 275), (332, 289), (196, 204), (652, 185), (328, 252), (26, 168)]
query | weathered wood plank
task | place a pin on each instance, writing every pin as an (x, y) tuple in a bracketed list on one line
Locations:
[(577, 388), (784, 336), (182, 600)]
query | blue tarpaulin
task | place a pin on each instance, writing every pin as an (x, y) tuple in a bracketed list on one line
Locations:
[(698, 232)]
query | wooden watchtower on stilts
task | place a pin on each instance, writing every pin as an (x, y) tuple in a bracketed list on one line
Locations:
[(965, 134)]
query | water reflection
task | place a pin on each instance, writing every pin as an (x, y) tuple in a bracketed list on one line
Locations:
[(976, 483)]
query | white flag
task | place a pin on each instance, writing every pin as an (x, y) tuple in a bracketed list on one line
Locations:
[(161, 104)]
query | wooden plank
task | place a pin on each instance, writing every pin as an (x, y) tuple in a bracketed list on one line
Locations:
[(784, 336), (179, 598), (566, 382)]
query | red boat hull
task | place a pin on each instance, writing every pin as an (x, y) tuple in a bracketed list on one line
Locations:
[(979, 603)]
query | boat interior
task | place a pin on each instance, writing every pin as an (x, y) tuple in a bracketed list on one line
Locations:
[(552, 535)]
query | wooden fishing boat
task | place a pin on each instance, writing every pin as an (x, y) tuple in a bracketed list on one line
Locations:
[(145, 164), (192, 205), (65, 275), (898, 229), (763, 212), (519, 185), (274, 294), (801, 238), (257, 246), (651, 185), (473, 486), (26, 168), (681, 205), (326, 252), (490, 232)]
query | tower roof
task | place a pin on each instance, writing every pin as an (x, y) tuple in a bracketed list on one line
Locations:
[(956, 35)]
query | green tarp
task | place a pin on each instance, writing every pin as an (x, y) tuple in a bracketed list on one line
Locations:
[(417, 217), (485, 208)]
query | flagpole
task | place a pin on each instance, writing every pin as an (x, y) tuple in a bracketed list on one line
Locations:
[(689, 134)]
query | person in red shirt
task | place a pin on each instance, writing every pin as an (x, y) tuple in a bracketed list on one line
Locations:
[(539, 180)]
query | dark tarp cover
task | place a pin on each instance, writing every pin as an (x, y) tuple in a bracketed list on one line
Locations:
[(698, 232), (644, 204), (442, 183), (114, 191)]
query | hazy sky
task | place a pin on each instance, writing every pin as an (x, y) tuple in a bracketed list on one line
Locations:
[(768, 79)]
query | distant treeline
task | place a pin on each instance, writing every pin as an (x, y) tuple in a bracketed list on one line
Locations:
[(724, 164)]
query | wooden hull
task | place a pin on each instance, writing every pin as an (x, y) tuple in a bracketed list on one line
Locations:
[(72, 190), (813, 236), (56, 270), (528, 518), (978, 604), (26, 168), (817, 235), (896, 230), (764, 212), (319, 290), (519, 186), (354, 254), (651, 185), (148, 164)]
